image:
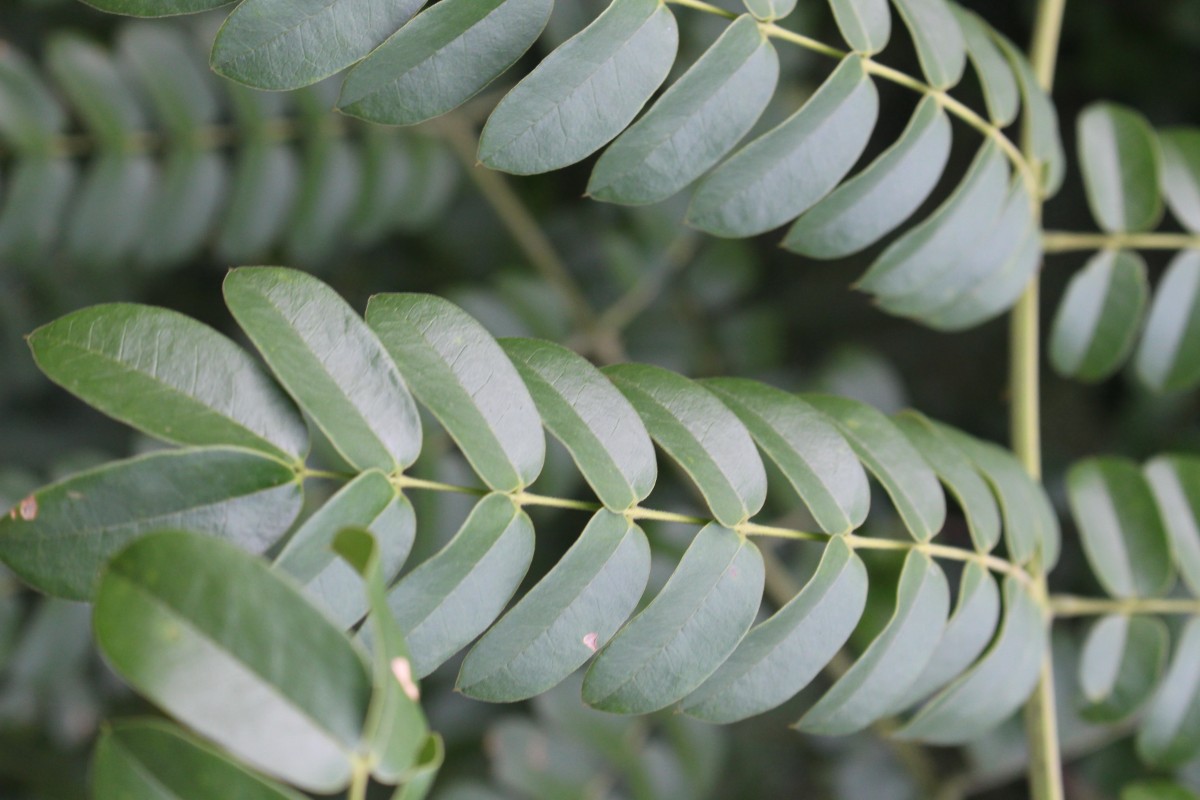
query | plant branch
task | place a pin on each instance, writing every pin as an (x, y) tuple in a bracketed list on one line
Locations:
[(747, 528), (526, 233), (1068, 241), (642, 295), (1041, 715), (1071, 606)]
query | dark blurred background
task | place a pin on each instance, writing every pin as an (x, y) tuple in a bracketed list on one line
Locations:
[(685, 301)]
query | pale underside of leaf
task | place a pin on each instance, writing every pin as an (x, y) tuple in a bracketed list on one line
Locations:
[(571, 612), (686, 632), (893, 661), (782, 655), (784, 172), (877, 200)]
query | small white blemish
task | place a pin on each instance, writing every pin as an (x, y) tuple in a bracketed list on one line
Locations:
[(402, 669), (28, 508), (590, 641)]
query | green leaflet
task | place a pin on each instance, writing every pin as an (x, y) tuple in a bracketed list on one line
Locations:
[(895, 463), (184, 208), (571, 612), (807, 448), (1168, 356), (877, 200), (106, 216), (59, 537), (1030, 522), (179, 87), (960, 476), (591, 418), (282, 689), (1180, 163), (700, 434), (261, 198), (1100, 315), (780, 656), (330, 361), (585, 92), (368, 502), (517, 747), (156, 8), (30, 115), (938, 39), (1170, 732), (995, 293), (686, 632), (768, 10), (287, 44), (388, 171), (170, 377), (865, 24), (967, 633), (462, 376), (696, 122), (933, 248), (1120, 527), (104, 101), (1119, 158), (985, 264), (1175, 482), (331, 181), (1156, 790), (153, 760), (1121, 663), (784, 172), (421, 72), (1041, 120), (419, 780), (454, 596), (1000, 90), (37, 195), (395, 732), (893, 661), (999, 682)]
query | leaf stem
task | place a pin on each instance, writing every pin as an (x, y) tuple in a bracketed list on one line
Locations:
[(707, 8), (1069, 241), (747, 528), (528, 235), (408, 482), (360, 780), (1071, 606), (1041, 716)]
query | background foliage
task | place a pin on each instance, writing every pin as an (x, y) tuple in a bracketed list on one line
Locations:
[(697, 305)]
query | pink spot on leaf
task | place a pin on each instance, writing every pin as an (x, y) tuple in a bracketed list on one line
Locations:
[(28, 508), (591, 641), (402, 669)]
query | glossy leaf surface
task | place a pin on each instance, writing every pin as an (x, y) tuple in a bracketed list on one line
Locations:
[(282, 688)]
